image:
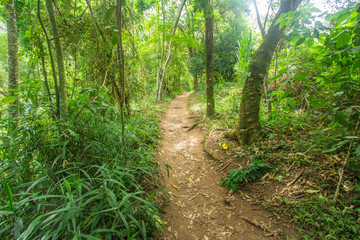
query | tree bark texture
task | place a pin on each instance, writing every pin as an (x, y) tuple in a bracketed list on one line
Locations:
[(262, 28), (12, 58), (54, 72), (59, 58), (209, 61), (121, 67), (248, 126), (195, 80)]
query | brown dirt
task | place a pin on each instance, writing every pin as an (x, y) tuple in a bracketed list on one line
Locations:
[(201, 208)]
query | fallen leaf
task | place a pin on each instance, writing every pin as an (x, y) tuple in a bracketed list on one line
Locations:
[(174, 186), (193, 197), (190, 180), (224, 146), (312, 191)]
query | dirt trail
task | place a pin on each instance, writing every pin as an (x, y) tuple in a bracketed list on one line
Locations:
[(199, 210)]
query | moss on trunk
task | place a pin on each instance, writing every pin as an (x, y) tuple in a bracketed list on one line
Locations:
[(248, 126)]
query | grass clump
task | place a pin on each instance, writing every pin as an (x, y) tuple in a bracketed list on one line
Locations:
[(74, 179), (321, 219)]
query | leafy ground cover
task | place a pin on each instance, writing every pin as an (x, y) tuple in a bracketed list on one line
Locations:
[(76, 180), (304, 169)]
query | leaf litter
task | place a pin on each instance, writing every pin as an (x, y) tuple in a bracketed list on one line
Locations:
[(201, 208)]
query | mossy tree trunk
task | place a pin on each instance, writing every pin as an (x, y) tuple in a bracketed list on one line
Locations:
[(209, 61), (13, 71), (248, 126)]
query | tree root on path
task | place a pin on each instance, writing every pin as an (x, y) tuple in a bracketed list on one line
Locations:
[(256, 224), (208, 152), (195, 125)]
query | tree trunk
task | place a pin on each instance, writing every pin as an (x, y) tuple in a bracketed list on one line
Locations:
[(248, 126), (46, 82), (95, 21), (162, 49), (195, 81), (51, 61), (209, 61), (121, 67), (59, 58), (12, 59), (160, 88), (262, 28)]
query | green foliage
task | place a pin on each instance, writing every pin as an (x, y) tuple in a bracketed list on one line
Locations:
[(254, 170), (322, 219), (224, 57), (244, 51), (74, 179)]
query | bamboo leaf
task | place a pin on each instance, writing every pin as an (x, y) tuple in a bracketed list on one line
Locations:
[(10, 195)]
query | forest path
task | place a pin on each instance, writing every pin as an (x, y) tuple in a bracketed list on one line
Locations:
[(199, 210)]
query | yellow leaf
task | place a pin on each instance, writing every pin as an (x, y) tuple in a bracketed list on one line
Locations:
[(189, 179), (175, 186), (224, 146)]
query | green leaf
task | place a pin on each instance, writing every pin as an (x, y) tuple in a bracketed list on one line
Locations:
[(299, 42), (354, 50), (351, 137), (343, 39), (30, 229), (87, 236), (271, 136), (314, 9), (10, 195), (5, 213), (67, 185), (342, 18), (8, 100), (301, 77), (115, 39), (341, 118)]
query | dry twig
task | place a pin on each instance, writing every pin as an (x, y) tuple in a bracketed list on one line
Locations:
[(195, 125), (256, 224), (345, 162), (297, 178)]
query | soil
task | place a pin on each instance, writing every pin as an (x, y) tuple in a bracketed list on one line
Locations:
[(201, 208)]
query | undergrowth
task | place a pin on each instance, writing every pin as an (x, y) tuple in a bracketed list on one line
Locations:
[(321, 219), (296, 138), (254, 170), (73, 178)]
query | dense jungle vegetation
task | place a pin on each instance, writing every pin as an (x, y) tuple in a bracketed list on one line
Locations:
[(84, 81)]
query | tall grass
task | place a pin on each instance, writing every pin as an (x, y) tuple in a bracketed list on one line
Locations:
[(73, 179)]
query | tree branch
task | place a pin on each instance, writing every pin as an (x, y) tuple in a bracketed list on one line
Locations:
[(71, 28), (96, 22), (346, 161), (267, 14), (259, 21)]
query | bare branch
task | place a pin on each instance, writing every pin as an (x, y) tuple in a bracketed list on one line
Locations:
[(258, 20)]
